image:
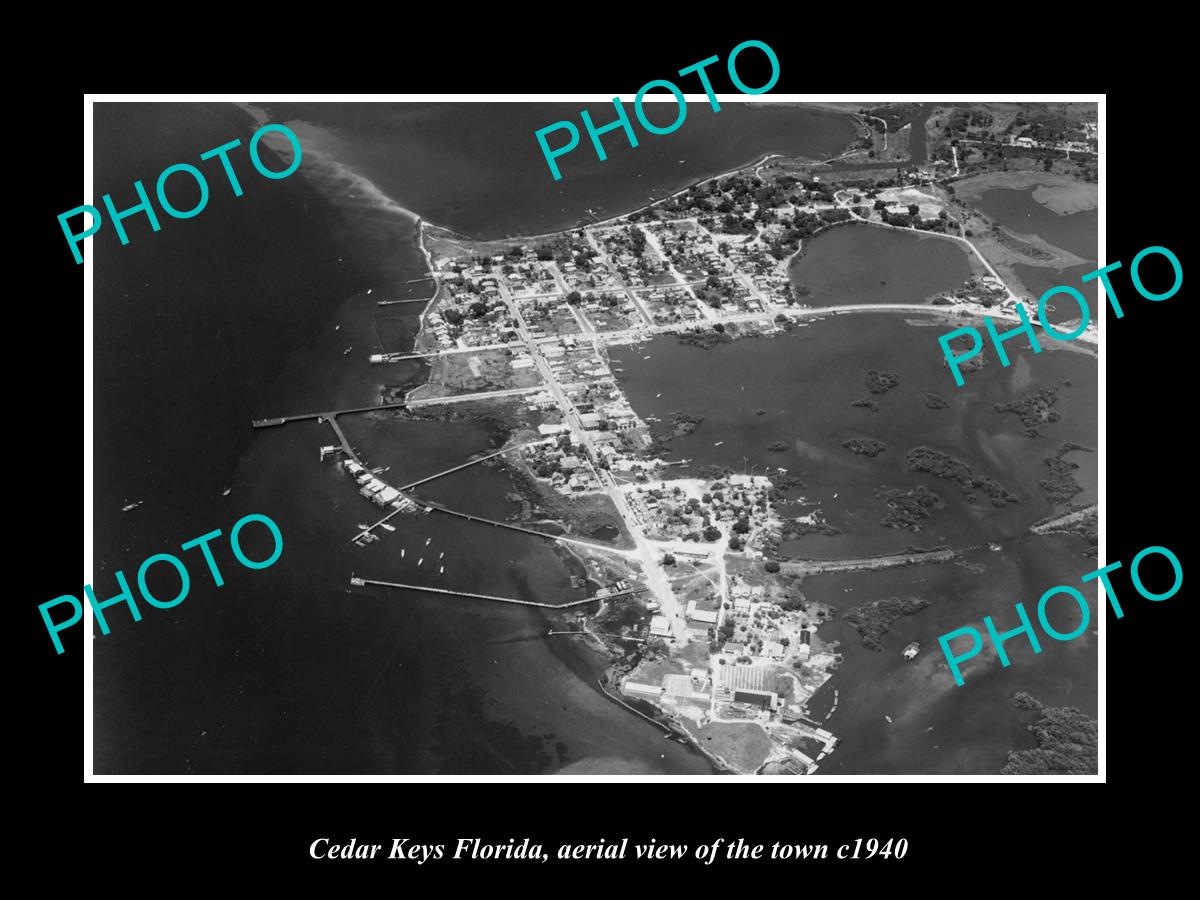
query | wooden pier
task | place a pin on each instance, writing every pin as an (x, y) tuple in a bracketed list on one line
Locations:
[(362, 582), (283, 420)]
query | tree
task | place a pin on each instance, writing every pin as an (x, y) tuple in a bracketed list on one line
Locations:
[(742, 525), (913, 209), (712, 533), (574, 298), (453, 316), (668, 559), (479, 309), (771, 566), (735, 543), (880, 204)]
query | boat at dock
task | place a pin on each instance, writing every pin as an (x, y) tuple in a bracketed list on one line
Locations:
[(387, 526)]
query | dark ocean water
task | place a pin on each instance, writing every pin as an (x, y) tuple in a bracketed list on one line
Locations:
[(246, 311), (477, 168)]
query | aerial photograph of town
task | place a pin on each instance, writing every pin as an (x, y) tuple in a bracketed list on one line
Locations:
[(657, 468)]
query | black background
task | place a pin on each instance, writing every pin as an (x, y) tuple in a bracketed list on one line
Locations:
[(961, 836)]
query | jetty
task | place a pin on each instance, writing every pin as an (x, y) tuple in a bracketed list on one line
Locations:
[(355, 581), (283, 420)]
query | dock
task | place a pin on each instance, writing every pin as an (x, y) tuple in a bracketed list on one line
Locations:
[(363, 582), (341, 436), (473, 462), (283, 420), (434, 507)]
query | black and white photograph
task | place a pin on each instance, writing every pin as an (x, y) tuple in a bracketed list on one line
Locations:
[(717, 432)]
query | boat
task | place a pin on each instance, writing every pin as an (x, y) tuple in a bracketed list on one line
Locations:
[(441, 569), (128, 506), (427, 540), (346, 352), (387, 526), (911, 650), (361, 526), (226, 492), (402, 551), (718, 443), (889, 719), (421, 560)]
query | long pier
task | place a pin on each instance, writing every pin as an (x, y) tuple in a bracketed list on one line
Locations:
[(341, 436), (397, 302), (434, 507), (361, 582), (405, 488), (480, 395), (283, 420), (473, 462)]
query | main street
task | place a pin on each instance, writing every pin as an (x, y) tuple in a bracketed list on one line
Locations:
[(655, 578)]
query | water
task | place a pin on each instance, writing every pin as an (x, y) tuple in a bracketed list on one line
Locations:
[(804, 382), (245, 311), (937, 726), (1015, 209), (1077, 233), (864, 264), (483, 173)]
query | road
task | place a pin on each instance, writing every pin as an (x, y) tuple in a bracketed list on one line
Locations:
[(633, 298), (655, 577)]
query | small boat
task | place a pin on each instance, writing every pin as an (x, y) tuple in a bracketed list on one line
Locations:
[(362, 527), (402, 551), (226, 492), (346, 352), (427, 540), (128, 506), (718, 443), (387, 526), (421, 560), (441, 569), (911, 650), (889, 719), (657, 396), (369, 290), (440, 555), (645, 357)]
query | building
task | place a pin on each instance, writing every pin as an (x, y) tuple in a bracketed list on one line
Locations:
[(677, 685), (761, 699), (708, 616), (641, 691), (773, 650), (660, 626)]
